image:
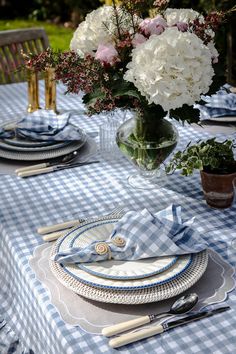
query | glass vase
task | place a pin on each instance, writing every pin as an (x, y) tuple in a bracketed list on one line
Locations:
[(50, 89), (147, 140), (107, 133), (33, 91)]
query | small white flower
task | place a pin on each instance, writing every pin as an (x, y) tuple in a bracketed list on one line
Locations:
[(92, 31), (173, 16), (171, 69), (99, 28)]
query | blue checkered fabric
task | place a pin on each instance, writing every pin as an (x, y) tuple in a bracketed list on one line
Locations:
[(89, 191), (221, 104), (140, 232), (44, 125), (6, 133)]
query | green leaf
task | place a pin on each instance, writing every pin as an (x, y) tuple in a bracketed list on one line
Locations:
[(185, 113), (91, 98), (132, 93)]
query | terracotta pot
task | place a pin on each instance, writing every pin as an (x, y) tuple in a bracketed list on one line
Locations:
[(218, 189)]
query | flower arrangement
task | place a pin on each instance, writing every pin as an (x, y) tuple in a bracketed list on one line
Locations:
[(119, 59)]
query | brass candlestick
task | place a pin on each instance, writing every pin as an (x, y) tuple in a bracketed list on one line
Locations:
[(50, 90), (33, 91)]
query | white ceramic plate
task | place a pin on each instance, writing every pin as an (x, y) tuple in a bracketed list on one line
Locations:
[(117, 269), (22, 142), (228, 119), (43, 155), (134, 296), (126, 276), (32, 148)]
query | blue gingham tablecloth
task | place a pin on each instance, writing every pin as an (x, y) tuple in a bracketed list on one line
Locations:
[(29, 323)]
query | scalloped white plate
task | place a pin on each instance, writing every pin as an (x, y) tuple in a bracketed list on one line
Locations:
[(118, 269), (119, 275)]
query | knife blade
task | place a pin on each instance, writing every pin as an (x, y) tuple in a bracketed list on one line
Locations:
[(145, 333), (76, 164)]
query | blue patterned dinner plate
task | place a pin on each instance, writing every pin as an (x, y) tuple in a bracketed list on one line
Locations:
[(118, 275)]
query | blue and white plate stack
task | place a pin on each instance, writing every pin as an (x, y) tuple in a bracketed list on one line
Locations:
[(39, 136), (124, 281)]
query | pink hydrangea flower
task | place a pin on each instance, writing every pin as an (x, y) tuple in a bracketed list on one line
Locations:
[(154, 25), (182, 26), (106, 53), (138, 39)]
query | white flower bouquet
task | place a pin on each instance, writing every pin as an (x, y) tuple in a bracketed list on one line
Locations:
[(151, 65), (119, 59)]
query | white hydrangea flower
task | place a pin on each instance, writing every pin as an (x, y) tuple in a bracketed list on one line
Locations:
[(92, 31), (171, 69), (174, 16), (214, 51), (98, 28)]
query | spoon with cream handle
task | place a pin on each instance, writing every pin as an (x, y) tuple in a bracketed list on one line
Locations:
[(179, 307)]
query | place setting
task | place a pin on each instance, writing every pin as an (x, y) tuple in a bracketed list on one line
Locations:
[(44, 142), (112, 275), (218, 111)]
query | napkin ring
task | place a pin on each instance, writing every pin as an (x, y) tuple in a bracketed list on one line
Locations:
[(119, 241), (102, 248)]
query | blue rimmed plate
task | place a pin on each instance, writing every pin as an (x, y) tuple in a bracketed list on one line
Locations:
[(118, 275)]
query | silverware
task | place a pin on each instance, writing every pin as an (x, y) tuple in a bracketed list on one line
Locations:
[(60, 167), (115, 213), (146, 333), (62, 160), (182, 305)]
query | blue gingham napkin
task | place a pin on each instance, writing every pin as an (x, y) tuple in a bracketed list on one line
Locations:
[(146, 235), (45, 125), (221, 104), (4, 134)]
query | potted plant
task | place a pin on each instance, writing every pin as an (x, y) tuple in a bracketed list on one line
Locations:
[(217, 166)]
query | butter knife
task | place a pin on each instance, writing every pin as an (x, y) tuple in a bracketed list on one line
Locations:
[(40, 171), (146, 333)]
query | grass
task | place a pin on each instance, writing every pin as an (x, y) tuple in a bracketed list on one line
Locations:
[(59, 36)]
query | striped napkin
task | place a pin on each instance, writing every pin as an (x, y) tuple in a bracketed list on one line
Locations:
[(45, 125), (221, 104), (139, 235)]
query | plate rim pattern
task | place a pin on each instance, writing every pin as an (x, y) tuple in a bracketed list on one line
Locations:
[(134, 297)]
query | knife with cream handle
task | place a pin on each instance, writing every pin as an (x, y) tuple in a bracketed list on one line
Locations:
[(115, 213), (151, 331), (55, 235), (62, 226), (40, 171), (33, 167), (180, 306), (68, 158)]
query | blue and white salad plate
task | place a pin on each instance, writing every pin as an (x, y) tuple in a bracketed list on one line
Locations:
[(118, 275)]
